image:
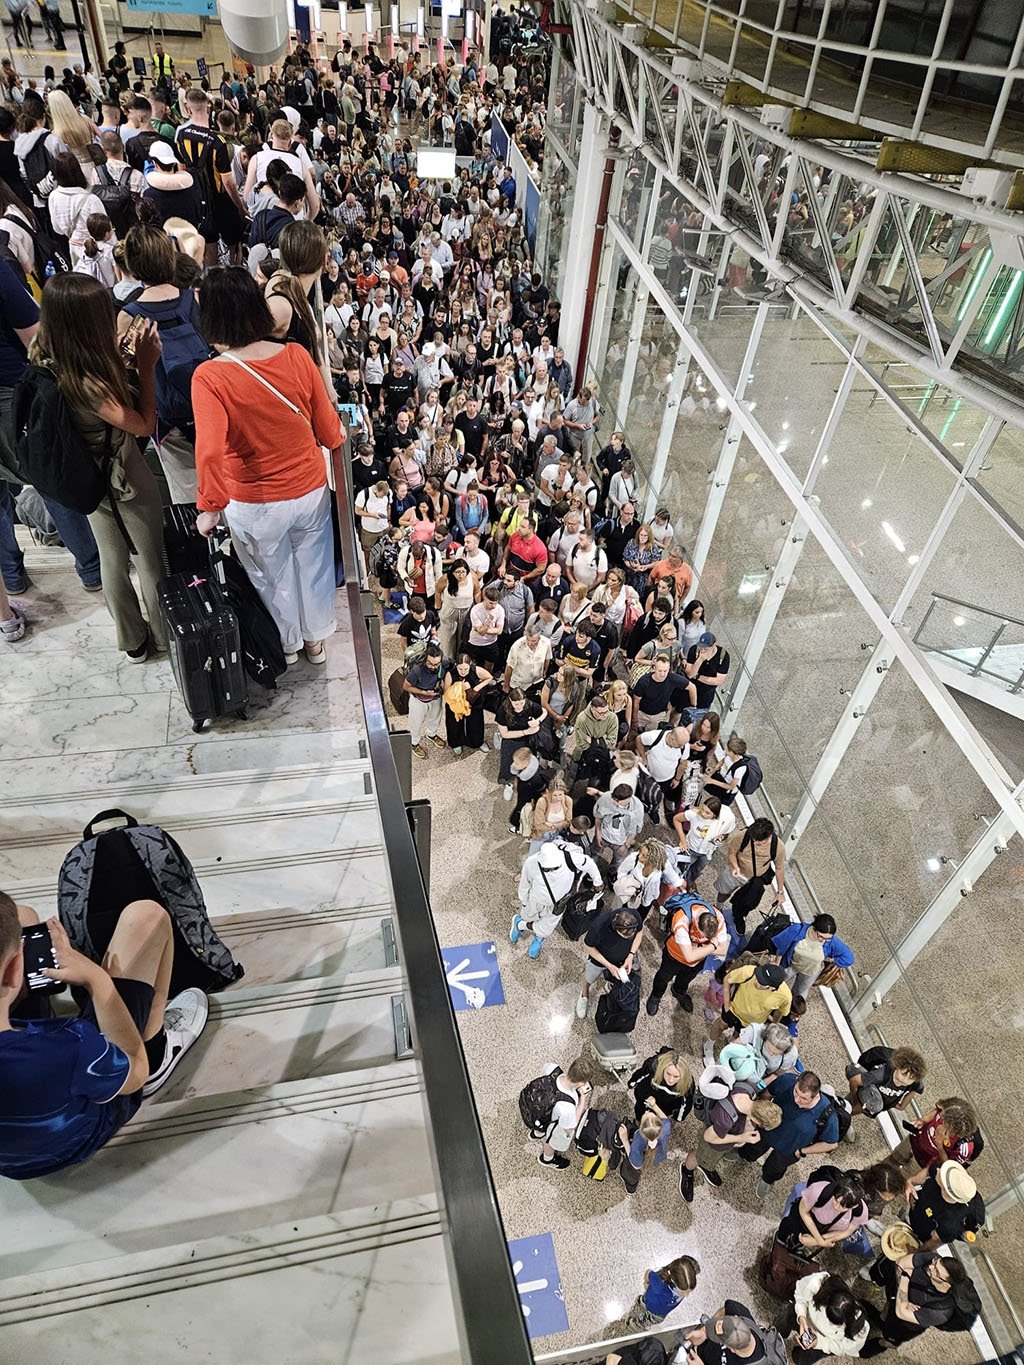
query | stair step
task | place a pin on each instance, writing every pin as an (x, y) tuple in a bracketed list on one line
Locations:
[(305, 881), (295, 945), (214, 837), (369, 1284), (261, 1035), (219, 751), (307, 1147), (62, 812)]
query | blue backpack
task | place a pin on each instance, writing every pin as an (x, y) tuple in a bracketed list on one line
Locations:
[(184, 350)]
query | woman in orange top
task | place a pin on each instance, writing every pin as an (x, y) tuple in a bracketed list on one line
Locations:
[(262, 414)]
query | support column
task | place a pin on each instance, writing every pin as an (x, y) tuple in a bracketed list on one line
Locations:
[(839, 741), (770, 605), (727, 456), (674, 397), (991, 845), (589, 177)]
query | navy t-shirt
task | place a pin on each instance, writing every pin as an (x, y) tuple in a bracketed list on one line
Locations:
[(797, 1129), (17, 309), (57, 1078)]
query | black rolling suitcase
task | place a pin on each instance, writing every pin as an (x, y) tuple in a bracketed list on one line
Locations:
[(204, 646), (186, 550)]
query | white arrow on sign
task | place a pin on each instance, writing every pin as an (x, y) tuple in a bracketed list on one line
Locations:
[(528, 1286), (457, 977)]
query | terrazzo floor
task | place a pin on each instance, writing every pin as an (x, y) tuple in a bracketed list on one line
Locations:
[(604, 1238)]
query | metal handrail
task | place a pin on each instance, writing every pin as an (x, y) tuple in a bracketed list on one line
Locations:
[(982, 611), (596, 1352), (487, 1301)]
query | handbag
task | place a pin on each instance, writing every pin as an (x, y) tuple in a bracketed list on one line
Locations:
[(831, 975), (595, 1167)]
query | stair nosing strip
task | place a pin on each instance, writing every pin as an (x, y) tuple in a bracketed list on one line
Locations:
[(157, 1129), (230, 777), (216, 819), (206, 868), (274, 920), (101, 1289), (329, 992)]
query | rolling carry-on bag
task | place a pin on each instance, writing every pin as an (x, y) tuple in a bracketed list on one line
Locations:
[(204, 647)]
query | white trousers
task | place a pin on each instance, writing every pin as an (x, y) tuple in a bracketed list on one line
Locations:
[(287, 549)]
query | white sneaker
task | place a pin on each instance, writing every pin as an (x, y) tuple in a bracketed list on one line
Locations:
[(184, 1020), (582, 1005), (13, 629), (507, 791)]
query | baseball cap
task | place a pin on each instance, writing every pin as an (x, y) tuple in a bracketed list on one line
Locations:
[(956, 1182), (292, 115), (706, 639), (429, 349), (769, 975), (163, 154)]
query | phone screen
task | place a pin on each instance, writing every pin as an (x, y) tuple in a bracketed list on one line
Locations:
[(37, 947)]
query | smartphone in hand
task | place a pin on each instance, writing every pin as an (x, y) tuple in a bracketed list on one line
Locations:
[(39, 953)]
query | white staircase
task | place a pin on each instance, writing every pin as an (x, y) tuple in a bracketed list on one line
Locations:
[(275, 1202)]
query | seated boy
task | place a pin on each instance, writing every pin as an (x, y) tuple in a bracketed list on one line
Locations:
[(68, 1084)]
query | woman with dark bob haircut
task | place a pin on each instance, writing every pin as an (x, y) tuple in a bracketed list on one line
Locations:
[(262, 413)]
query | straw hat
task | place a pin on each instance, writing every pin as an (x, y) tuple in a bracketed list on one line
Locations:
[(898, 1241)]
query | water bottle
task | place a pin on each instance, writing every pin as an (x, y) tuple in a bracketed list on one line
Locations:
[(51, 269)]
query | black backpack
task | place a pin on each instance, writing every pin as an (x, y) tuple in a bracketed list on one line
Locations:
[(8, 256), (834, 1106), (537, 1100), (752, 775), (760, 940), (37, 163), (117, 199), (106, 872), (51, 452)]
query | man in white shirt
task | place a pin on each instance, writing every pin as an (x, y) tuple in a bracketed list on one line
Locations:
[(663, 751), (425, 261), (296, 158), (441, 252), (508, 77), (528, 659), (588, 563), (555, 474), (566, 538), (573, 1088), (478, 560), (113, 149)]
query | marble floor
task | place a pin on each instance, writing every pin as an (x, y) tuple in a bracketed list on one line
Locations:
[(286, 1165), (604, 1239)]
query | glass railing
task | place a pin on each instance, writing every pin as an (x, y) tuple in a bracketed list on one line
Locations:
[(978, 642), (480, 1272)]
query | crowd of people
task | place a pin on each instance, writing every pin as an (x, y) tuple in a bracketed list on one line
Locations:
[(208, 277)]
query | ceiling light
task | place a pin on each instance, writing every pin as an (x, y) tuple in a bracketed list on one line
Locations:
[(933, 865), (913, 559), (866, 504), (613, 1310), (959, 621), (721, 404), (785, 426), (558, 1023), (893, 537)]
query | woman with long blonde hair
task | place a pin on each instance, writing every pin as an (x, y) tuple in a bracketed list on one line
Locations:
[(72, 132), (644, 1149), (552, 813)]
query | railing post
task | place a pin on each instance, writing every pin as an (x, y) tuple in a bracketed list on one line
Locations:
[(401, 752), (421, 821)]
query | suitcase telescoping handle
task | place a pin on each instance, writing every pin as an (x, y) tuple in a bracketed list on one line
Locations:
[(220, 537), (129, 821)]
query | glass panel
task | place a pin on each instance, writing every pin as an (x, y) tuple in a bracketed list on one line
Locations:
[(562, 92), (823, 637), (979, 562), (881, 488), (692, 457), (659, 345), (975, 642), (1002, 474), (636, 198), (797, 370), (904, 805), (610, 352), (726, 336), (751, 530)]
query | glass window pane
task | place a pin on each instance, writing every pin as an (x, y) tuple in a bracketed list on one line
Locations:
[(881, 489), (905, 806), (797, 371), (1002, 474), (754, 523)]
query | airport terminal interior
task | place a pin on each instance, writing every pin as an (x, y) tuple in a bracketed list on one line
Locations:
[(599, 572)]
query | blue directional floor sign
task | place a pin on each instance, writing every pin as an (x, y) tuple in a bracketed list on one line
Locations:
[(539, 1284), (473, 976)]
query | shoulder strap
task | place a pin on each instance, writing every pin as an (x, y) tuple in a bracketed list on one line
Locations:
[(266, 384)]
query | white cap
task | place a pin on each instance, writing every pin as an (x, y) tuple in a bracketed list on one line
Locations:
[(429, 349), (292, 115), (163, 154), (555, 857)]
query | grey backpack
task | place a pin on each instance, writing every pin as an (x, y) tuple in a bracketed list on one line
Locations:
[(143, 862)]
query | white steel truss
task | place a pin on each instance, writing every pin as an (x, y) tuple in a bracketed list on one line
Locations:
[(868, 275)]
